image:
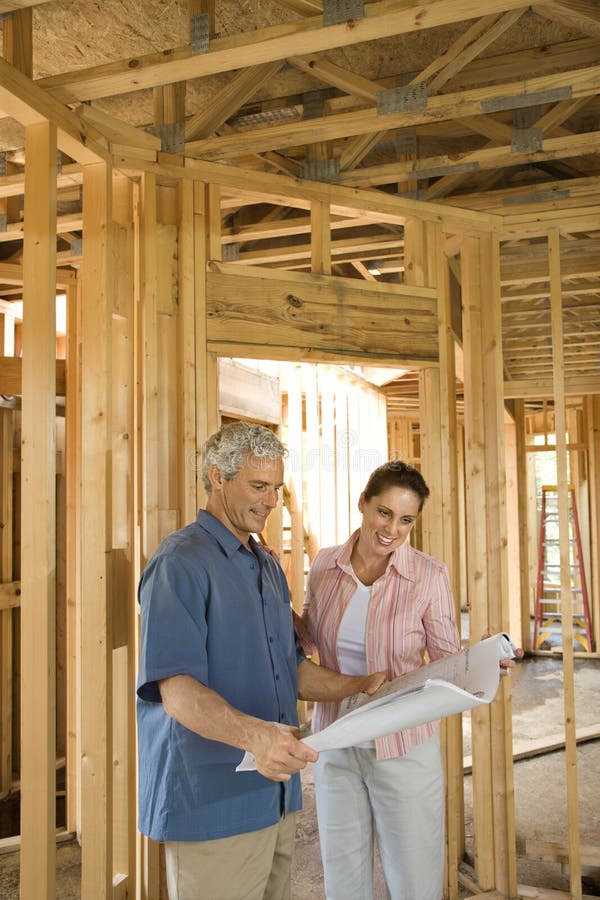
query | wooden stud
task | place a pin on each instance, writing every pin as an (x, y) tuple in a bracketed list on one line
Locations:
[(186, 339), (484, 472), (38, 517), (560, 425), (294, 477), (96, 538), (592, 418), (320, 238), (525, 534), (149, 365)]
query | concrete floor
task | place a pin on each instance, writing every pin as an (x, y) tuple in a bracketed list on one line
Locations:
[(540, 795)]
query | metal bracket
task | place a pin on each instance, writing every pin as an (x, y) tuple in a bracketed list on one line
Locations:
[(406, 141), (230, 252), (402, 99), (442, 171), (538, 197), (313, 104), (199, 32), (3, 222), (59, 162), (322, 169), (172, 136), (337, 11), (553, 95), (526, 140), (76, 246), (2, 165)]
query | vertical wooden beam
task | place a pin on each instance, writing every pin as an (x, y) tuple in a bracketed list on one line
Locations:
[(73, 567), (566, 595), (313, 463), (7, 431), (38, 520), (493, 805), (295, 484), (149, 364), (96, 537), (320, 237), (186, 338), (7, 438), (437, 402), (525, 537), (592, 420)]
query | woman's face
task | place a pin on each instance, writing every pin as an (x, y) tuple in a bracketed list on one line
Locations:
[(387, 519)]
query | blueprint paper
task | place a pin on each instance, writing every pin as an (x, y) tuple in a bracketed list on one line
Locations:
[(456, 683)]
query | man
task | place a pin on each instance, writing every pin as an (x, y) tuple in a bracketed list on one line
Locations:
[(220, 673)]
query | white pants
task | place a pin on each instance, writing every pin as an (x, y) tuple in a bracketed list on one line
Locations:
[(401, 802)]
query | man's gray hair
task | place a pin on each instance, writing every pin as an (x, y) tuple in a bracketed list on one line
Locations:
[(229, 448)]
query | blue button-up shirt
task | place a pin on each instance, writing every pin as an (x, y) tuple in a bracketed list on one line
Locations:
[(216, 610)]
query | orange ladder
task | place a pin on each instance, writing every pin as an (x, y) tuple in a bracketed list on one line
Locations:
[(547, 617)]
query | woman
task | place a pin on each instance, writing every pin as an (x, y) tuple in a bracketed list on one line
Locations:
[(375, 603)]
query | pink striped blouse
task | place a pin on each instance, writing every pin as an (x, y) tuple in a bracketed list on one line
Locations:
[(411, 613)]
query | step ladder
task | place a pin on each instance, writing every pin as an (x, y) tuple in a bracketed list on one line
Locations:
[(547, 617)]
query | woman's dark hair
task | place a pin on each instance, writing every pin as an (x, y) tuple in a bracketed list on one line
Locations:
[(396, 474)]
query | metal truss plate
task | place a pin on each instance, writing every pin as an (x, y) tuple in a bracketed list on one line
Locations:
[(3, 222), (199, 32), (406, 141), (538, 197), (337, 11), (526, 116), (313, 104), (526, 140), (76, 247), (172, 136), (553, 95), (402, 99), (322, 169), (2, 165), (59, 162), (442, 171), (230, 252)]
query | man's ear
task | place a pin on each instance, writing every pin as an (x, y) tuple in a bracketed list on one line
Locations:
[(215, 476)]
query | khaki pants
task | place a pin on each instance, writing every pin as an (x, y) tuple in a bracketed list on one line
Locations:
[(252, 866)]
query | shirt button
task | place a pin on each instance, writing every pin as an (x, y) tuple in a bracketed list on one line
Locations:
[(282, 717), (277, 678), (270, 640)]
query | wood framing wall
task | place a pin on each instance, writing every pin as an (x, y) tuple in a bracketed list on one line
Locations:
[(152, 310)]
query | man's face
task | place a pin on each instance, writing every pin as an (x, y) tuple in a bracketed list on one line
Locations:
[(244, 503)]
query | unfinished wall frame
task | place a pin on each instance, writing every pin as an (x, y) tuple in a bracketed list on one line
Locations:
[(157, 308)]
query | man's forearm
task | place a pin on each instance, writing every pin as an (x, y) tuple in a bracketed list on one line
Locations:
[(277, 751), (318, 683), (206, 713)]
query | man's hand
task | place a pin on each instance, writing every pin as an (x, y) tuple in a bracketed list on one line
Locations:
[(278, 752), (507, 664), (371, 683)]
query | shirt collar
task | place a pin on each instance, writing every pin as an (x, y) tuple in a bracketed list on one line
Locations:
[(400, 559), (226, 539)]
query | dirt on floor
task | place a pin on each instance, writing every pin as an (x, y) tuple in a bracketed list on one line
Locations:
[(540, 791)]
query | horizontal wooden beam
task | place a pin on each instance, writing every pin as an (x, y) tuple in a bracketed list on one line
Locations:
[(472, 161), (295, 310), (12, 273), (541, 389), (239, 51), (14, 185), (283, 190), (10, 376), (478, 101)]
